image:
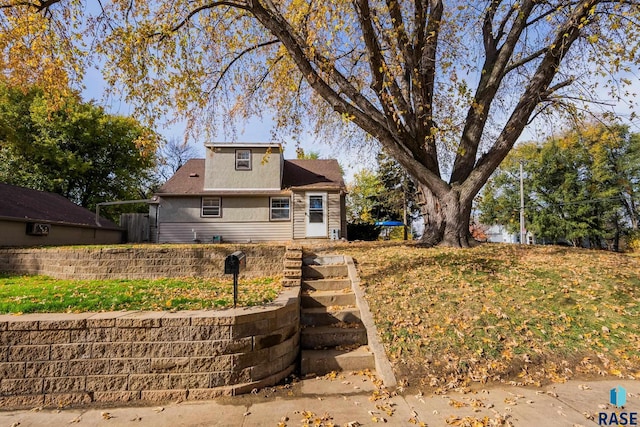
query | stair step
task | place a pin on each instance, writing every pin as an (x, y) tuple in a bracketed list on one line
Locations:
[(322, 316), (322, 362), (320, 337), (327, 299), (324, 271), (326, 284)]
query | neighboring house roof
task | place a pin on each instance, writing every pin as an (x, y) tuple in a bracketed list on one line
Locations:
[(305, 173), (25, 204)]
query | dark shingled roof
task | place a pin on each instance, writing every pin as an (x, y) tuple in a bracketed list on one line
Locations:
[(189, 179), (305, 173), (33, 205), (312, 173)]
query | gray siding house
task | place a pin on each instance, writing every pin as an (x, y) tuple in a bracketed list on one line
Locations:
[(250, 193)]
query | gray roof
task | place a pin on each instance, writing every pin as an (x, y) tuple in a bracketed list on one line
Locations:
[(25, 204), (298, 174)]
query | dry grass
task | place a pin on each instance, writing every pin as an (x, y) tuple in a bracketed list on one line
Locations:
[(450, 318)]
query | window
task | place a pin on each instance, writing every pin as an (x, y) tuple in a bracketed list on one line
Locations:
[(316, 209), (243, 160), (280, 208), (211, 206)]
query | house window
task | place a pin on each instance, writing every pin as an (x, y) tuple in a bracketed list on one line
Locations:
[(243, 160), (211, 206), (280, 208)]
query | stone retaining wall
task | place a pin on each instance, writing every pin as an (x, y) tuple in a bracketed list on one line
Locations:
[(63, 359), (144, 261)]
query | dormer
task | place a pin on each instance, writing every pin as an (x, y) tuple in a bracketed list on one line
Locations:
[(244, 166)]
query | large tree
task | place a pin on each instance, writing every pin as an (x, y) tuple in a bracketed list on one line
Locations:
[(76, 150), (446, 87)]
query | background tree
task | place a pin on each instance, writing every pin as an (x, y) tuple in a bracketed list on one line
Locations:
[(170, 157), (76, 150), (581, 187), (446, 87)]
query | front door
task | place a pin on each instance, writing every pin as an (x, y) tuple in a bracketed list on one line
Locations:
[(317, 215)]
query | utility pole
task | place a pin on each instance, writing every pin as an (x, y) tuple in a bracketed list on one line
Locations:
[(522, 229)]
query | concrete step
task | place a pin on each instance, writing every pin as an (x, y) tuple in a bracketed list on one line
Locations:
[(322, 362), (326, 284), (324, 271), (322, 316), (327, 299), (321, 337)]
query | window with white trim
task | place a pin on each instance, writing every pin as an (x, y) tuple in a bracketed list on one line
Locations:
[(280, 209), (243, 160), (211, 207)]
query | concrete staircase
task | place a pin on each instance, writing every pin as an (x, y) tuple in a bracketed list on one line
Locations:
[(333, 337)]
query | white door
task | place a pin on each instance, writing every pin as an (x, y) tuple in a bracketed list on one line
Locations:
[(316, 215)]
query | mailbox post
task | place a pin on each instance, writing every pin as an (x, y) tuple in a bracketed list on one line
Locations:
[(232, 265)]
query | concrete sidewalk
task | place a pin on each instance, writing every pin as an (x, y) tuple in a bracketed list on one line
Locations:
[(352, 399)]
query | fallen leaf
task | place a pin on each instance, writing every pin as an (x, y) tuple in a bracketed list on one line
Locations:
[(106, 415)]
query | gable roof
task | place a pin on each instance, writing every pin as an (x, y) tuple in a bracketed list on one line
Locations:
[(312, 173), (298, 174), (25, 204)]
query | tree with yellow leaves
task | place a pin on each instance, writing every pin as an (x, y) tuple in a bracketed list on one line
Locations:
[(446, 87)]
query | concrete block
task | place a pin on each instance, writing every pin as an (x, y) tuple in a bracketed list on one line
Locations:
[(148, 382), (64, 385), (12, 369), (77, 322), (89, 367), (246, 360), (60, 400), (22, 401), (29, 353), (152, 349), (93, 335), (70, 351), (163, 395), (49, 336), (192, 349), (291, 283), (108, 350), (189, 381), (208, 393), (4, 353), (259, 327), (107, 382), (240, 345), (147, 319), (14, 337), (292, 264), (22, 325), (46, 369), (223, 379), (130, 366), (116, 396), (170, 365), (21, 386), (211, 364), (203, 333)]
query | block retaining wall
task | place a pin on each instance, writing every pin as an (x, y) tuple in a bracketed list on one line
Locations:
[(145, 261), (64, 359), (57, 359)]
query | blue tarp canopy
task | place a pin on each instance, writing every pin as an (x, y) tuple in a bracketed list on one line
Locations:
[(390, 223)]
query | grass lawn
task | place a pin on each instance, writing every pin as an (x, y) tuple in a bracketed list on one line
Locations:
[(40, 294), (527, 315)]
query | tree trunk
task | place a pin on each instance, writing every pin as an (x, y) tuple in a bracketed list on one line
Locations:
[(446, 219)]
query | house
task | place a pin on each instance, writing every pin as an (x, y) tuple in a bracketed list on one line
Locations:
[(38, 218), (250, 193)]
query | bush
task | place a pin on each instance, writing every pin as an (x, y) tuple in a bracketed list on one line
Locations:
[(633, 244), (362, 231)]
